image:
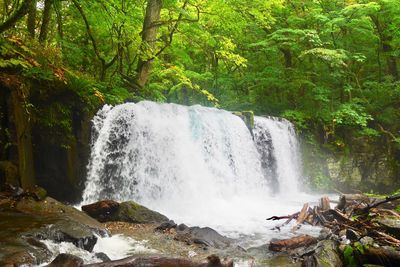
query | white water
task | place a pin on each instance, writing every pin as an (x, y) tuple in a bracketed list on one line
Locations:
[(197, 165), (115, 247)]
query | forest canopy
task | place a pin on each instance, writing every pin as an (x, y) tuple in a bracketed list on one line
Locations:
[(329, 66)]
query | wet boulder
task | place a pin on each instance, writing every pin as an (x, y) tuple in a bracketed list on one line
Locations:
[(205, 236), (325, 254), (66, 260), (129, 211), (101, 210), (26, 221), (79, 234)]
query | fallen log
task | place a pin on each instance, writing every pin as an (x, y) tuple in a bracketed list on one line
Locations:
[(376, 204), (381, 256), (161, 261), (291, 243)]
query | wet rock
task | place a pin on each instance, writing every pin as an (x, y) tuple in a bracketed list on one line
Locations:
[(367, 241), (79, 234), (326, 254), (352, 235), (53, 210), (101, 210), (25, 221), (8, 173), (129, 211), (102, 256), (66, 260), (166, 226), (19, 258), (203, 236), (134, 213), (37, 192), (36, 243), (182, 227)]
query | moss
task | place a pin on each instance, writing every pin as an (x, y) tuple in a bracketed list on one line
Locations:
[(132, 212)]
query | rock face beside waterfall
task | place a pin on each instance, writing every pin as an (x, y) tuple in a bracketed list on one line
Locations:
[(129, 211)]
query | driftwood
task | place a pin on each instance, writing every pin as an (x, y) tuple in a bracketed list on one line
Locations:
[(376, 204), (274, 218), (324, 204), (354, 215), (160, 261), (291, 243), (380, 256), (303, 214)]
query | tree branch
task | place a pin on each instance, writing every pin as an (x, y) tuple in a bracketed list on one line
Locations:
[(16, 16)]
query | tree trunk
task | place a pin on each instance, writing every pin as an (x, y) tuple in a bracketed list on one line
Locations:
[(31, 21), (391, 61), (19, 120), (16, 16), (58, 9), (386, 47), (44, 30), (287, 56), (149, 35)]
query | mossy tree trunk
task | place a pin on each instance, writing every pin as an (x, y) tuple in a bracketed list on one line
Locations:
[(20, 120), (149, 37)]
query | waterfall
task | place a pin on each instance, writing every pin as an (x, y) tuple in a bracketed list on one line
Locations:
[(194, 164), (279, 151)]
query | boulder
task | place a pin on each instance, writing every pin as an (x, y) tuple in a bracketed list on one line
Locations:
[(8, 173), (101, 210), (79, 234), (102, 256), (66, 260), (26, 221), (129, 211), (326, 254), (166, 226), (205, 236)]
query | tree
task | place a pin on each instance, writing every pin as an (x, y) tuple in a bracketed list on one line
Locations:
[(149, 38)]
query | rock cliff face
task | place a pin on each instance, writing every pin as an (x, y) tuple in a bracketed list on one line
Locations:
[(44, 137), (364, 167)]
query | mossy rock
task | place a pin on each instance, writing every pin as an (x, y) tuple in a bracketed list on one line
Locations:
[(8, 173), (326, 254), (247, 117), (134, 213)]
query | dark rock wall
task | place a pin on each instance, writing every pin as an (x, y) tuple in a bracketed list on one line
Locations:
[(49, 146)]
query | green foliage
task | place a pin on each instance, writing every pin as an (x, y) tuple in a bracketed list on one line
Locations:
[(351, 114), (349, 257), (350, 252), (330, 67), (299, 118)]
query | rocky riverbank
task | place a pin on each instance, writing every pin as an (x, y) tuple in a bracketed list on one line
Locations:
[(29, 220)]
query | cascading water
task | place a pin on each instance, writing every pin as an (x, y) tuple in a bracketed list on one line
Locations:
[(279, 150), (197, 165)]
